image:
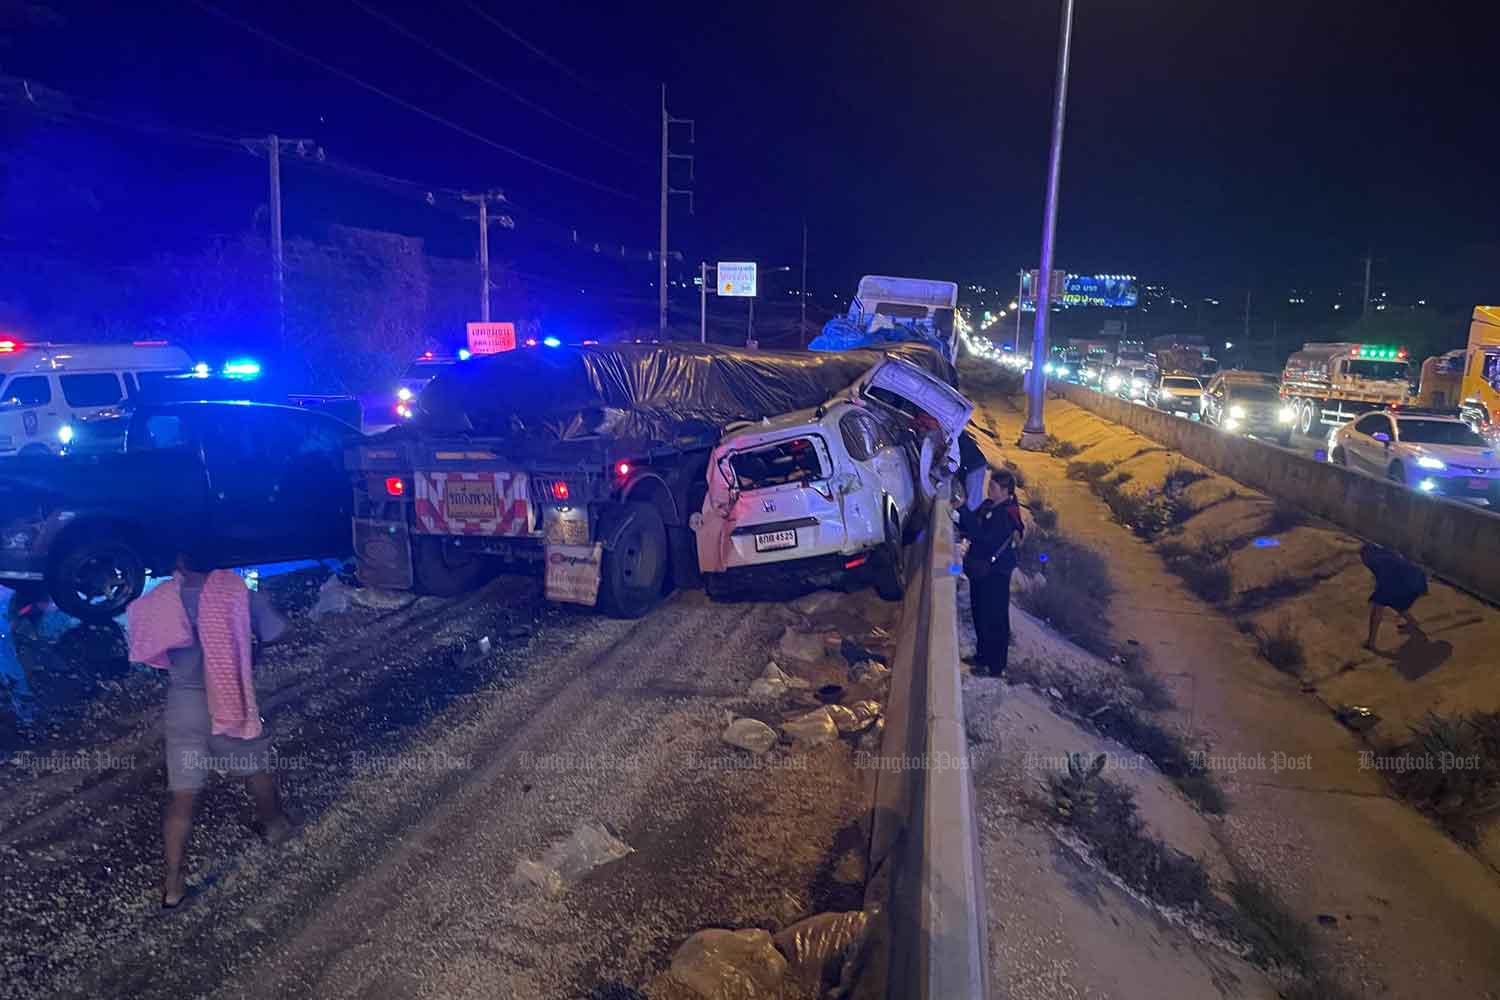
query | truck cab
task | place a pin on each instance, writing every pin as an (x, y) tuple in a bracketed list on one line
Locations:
[(1480, 392)]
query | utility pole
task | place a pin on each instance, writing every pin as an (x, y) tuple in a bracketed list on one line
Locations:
[(703, 302), (667, 156), (1246, 335), (483, 199), (1020, 290), (1034, 434), (750, 330), (1369, 262), (271, 145), (802, 323)]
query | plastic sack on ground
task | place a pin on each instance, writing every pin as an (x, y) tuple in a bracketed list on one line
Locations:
[(730, 965), (588, 847), (823, 952), (333, 599), (813, 729), (749, 734)]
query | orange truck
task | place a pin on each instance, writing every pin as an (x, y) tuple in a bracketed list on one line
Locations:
[(1479, 395)]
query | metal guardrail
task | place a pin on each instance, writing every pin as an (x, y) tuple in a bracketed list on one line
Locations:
[(925, 837)]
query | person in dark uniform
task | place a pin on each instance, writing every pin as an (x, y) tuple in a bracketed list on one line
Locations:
[(972, 469), (1398, 584), (994, 531)]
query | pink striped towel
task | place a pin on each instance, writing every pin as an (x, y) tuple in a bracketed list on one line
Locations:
[(159, 623)]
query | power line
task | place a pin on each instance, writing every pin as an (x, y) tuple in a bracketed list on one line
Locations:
[(401, 29), (327, 67), (557, 64)]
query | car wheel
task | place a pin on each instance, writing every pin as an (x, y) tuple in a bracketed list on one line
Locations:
[(94, 577), (442, 569), (1396, 473), (1305, 419), (634, 570), (889, 568)]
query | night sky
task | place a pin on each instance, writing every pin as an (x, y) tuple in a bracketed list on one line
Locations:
[(1209, 145)]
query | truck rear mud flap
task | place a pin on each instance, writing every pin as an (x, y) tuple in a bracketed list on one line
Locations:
[(383, 553)]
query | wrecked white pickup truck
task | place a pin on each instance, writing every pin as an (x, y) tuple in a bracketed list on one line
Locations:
[(831, 494)]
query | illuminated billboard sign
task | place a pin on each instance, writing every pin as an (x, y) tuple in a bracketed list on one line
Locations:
[(1106, 291)]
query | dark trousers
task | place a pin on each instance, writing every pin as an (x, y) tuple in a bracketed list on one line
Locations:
[(989, 603)]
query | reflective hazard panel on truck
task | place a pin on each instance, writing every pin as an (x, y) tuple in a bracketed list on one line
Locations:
[(472, 503)]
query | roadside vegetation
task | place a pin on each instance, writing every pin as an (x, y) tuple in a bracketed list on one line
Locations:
[(1247, 912), (1450, 769)]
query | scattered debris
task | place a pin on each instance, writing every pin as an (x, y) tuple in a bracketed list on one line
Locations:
[(817, 602), (801, 647), (869, 742), (379, 600), (730, 965), (830, 693), (1357, 717), (871, 671), (813, 729), (823, 952), (333, 599), (775, 682), (588, 847), (470, 653), (854, 652), (750, 734)]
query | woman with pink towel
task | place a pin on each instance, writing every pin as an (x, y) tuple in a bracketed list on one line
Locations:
[(200, 627)]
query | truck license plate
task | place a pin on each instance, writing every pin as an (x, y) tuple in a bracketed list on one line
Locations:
[(471, 501), (773, 540)]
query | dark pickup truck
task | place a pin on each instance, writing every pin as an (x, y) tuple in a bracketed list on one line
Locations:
[(267, 483)]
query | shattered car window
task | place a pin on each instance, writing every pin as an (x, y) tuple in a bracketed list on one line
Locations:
[(793, 461)]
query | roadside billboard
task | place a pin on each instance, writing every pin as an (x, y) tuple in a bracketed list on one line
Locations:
[(736, 278)]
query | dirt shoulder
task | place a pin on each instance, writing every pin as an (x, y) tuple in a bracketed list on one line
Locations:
[(590, 749), (1397, 906)]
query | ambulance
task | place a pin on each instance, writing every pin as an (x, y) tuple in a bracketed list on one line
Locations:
[(44, 387)]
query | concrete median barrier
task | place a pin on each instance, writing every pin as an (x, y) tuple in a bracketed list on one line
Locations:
[(1455, 541)]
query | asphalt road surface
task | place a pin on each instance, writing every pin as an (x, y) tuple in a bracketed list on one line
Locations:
[(428, 774)]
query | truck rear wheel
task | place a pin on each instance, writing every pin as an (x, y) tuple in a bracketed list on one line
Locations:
[(442, 569), (95, 576), (634, 570), (1305, 418)]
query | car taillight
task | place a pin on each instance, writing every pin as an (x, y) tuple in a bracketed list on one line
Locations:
[(395, 486), (559, 490), (856, 562), (9, 346), (622, 469)]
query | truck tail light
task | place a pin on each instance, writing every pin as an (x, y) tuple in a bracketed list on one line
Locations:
[(8, 346), (622, 469), (560, 490), (856, 562), (395, 486)]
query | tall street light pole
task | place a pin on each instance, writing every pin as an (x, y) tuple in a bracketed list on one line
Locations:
[(1034, 434)]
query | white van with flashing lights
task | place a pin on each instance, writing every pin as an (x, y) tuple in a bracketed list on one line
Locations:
[(45, 387)]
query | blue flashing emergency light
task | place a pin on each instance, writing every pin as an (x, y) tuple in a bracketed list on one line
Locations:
[(551, 341), (242, 368), (463, 354)]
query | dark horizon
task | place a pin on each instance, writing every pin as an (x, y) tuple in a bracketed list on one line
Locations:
[(1266, 147)]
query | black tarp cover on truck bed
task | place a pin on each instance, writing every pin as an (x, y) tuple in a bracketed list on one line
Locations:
[(655, 392)]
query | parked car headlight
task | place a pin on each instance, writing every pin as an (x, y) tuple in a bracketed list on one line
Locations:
[(403, 394), (1286, 414), (1428, 462), (1237, 412), (65, 433), (1112, 383), (1062, 371)]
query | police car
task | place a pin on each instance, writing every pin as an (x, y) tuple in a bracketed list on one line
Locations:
[(44, 387)]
